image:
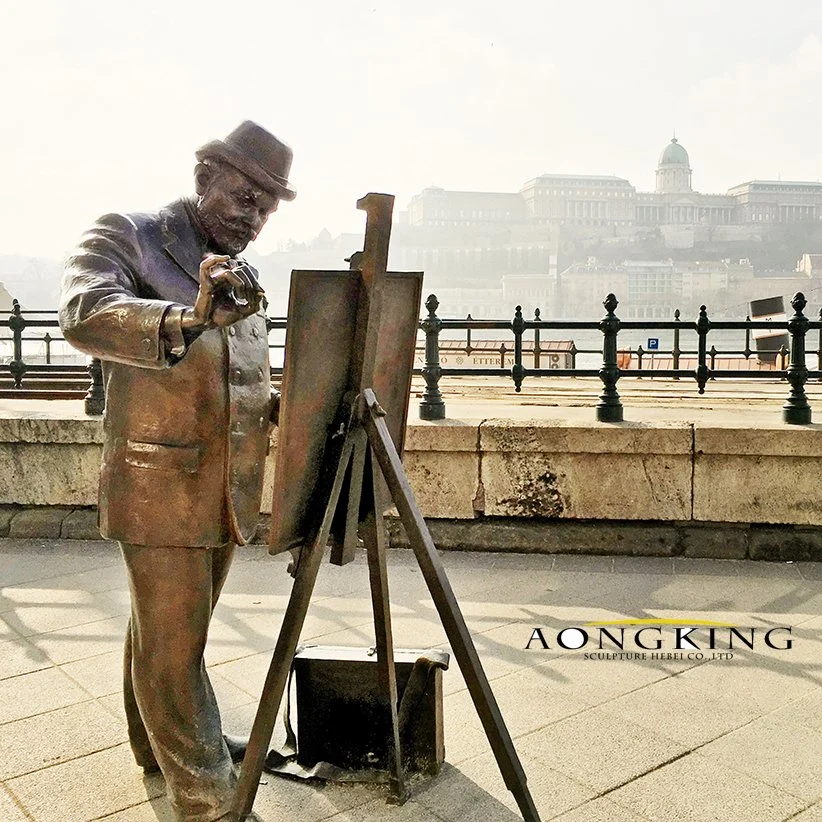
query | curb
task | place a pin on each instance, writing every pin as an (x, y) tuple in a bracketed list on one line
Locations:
[(754, 541)]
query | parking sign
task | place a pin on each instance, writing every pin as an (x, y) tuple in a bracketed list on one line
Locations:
[(653, 343)]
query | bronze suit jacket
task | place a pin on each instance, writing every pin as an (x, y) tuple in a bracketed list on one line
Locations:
[(185, 439)]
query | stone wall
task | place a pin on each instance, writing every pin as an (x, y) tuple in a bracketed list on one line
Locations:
[(559, 470)]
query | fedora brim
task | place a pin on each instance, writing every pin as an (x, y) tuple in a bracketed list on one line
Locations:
[(278, 186)]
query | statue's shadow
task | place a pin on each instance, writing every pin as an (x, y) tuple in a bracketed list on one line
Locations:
[(452, 796)]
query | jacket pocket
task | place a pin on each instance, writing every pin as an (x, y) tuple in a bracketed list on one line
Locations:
[(163, 457)]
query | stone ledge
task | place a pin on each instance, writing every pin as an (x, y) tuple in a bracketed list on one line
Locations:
[(51, 430), (561, 436)]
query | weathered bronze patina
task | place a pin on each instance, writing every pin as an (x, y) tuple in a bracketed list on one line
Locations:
[(176, 319)]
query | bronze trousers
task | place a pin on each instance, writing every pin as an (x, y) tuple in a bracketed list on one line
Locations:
[(173, 719)]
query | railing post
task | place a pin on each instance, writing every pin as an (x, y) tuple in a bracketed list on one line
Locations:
[(782, 356), (573, 352), (502, 352), (432, 406), (675, 349), (518, 371), (640, 353), (17, 323), (703, 326), (796, 410), (468, 348), (713, 352), (537, 349), (609, 408), (47, 341), (819, 347), (748, 350), (96, 398)]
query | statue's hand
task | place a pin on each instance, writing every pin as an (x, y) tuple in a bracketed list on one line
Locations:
[(228, 292)]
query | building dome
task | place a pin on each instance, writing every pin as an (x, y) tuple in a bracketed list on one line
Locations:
[(673, 174), (674, 155)]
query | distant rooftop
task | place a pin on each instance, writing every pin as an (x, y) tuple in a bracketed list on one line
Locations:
[(782, 183), (580, 177)]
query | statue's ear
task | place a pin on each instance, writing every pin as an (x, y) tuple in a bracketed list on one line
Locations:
[(202, 177)]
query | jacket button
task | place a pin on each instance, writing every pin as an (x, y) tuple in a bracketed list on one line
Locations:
[(237, 374), (260, 373), (146, 343), (232, 330), (254, 332)]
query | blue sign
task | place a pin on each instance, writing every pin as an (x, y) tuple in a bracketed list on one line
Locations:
[(653, 343)]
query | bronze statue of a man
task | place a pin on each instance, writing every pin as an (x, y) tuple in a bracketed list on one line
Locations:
[(175, 317)]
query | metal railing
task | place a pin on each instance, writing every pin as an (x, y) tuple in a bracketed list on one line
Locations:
[(795, 410), (50, 380)]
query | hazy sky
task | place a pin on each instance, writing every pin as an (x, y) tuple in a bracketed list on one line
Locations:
[(104, 102)]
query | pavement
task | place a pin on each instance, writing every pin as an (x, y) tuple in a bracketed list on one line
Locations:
[(604, 735)]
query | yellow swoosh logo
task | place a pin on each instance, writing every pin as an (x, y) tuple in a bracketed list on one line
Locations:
[(664, 622)]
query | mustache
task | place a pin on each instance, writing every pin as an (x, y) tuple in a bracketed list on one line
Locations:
[(239, 228)]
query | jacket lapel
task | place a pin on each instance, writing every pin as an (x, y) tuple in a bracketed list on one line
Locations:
[(180, 240)]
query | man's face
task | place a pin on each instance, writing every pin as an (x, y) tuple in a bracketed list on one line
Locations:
[(233, 210)]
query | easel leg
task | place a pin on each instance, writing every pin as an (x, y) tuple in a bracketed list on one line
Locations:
[(277, 678), (374, 538), (449, 611)]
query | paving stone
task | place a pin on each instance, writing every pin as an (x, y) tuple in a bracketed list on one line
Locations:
[(19, 656), (570, 751), (42, 610), (705, 567), (86, 788), (643, 565), (454, 796), (695, 789), (157, 810), (26, 560), (812, 814), (524, 700), (597, 681), (451, 798), (82, 641), (777, 753), (685, 714), (247, 673), (377, 810), (99, 675), (81, 523), (810, 570), (600, 810), (763, 684), (41, 523), (69, 733), (9, 810), (806, 712), (598, 749), (37, 692)]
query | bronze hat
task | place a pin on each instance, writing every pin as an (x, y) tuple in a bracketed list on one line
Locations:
[(258, 154)]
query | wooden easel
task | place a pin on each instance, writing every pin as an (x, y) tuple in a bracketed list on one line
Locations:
[(360, 457)]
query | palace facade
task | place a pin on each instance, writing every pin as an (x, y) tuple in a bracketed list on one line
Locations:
[(606, 201)]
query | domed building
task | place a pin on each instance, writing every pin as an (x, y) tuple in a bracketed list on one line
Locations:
[(673, 172)]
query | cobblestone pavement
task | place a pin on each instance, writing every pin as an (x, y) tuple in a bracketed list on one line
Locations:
[(663, 735)]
